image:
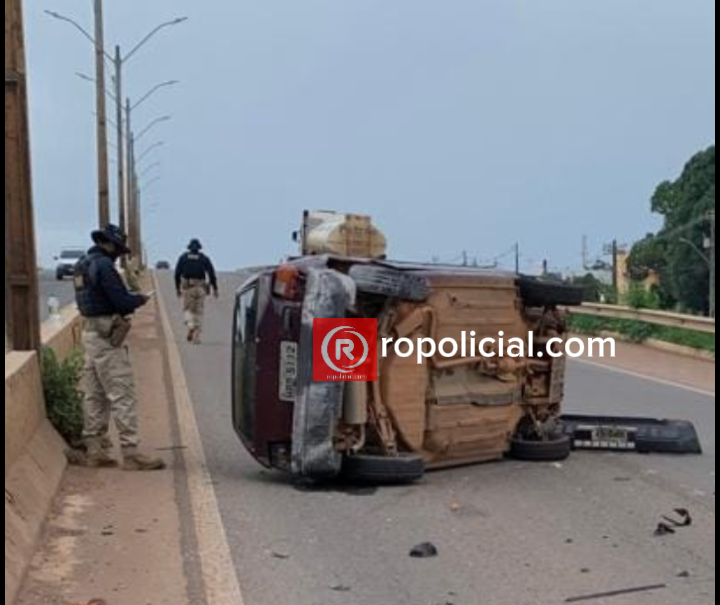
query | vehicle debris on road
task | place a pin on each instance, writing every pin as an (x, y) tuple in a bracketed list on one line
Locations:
[(686, 519), (427, 550), (616, 593), (663, 529), (669, 525)]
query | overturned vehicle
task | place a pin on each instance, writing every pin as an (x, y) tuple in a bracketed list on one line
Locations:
[(442, 412)]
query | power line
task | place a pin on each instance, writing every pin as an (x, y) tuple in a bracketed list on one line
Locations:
[(665, 235)]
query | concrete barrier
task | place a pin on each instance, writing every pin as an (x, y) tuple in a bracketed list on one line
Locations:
[(64, 334), (34, 453)]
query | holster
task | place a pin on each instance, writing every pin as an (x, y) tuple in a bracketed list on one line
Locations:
[(119, 332)]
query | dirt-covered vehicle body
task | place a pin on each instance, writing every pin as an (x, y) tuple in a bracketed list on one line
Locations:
[(443, 412)]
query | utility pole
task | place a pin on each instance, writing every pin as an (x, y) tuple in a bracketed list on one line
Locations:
[(517, 258), (465, 258), (22, 313), (711, 257), (616, 269), (102, 122), (122, 199), (130, 170), (586, 253), (139, 214)]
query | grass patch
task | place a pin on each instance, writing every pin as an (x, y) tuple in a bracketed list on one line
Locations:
[(639, 331)]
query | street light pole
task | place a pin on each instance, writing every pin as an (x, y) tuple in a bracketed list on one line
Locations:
[(708, 259), (102, 122), (130, 141), (118, 60), (713, 295), (122, 199)]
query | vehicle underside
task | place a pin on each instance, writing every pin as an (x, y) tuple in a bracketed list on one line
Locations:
[(445, 411)]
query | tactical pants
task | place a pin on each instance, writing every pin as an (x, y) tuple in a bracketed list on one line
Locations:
[(109, 388), (194, 295)]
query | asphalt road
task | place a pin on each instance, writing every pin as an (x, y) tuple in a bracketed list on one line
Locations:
[(49, 286), (508, 533)]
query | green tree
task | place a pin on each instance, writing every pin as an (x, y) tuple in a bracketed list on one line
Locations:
[(673, 252)]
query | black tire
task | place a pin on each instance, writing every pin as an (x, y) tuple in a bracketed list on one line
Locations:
[(60, 276), (384, 470), (541, 293), (400, 285), (557, 449)]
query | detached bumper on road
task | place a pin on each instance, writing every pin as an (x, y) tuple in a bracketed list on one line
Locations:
[(641, 435)]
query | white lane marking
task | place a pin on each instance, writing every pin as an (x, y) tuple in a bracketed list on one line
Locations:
[(667, 383), (222, 586)]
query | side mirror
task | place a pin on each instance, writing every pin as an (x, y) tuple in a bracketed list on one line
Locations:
[(296, 236)]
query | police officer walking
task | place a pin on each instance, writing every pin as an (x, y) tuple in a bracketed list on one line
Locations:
[(106, 304), (195, 277)]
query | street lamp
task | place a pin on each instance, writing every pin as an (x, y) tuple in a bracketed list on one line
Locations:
[(151, 35), (152, 91), (85, 33), (152, 125), (697, 249), (149, 169), (149, 150), (149, 184), (109, 93), (708, 259)]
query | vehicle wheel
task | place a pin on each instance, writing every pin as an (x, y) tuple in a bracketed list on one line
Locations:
[(400, 285), (59, 276), (384, 470), (542, 293), (556, 449)]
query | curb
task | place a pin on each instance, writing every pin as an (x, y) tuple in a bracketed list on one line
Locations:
[(217, 568)]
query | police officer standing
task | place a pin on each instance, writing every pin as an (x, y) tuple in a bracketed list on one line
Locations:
[(106, 304), (195, 277)]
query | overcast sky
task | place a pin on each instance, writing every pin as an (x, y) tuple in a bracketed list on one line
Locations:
[(458, 124)]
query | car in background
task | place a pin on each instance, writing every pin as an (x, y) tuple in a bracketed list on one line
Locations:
[(163, 265), (67, 262)]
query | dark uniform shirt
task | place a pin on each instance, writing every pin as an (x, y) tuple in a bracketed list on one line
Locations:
[(100, 290), (195, 266)]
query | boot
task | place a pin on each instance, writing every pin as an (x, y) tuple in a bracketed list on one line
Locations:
[(98, 456), (135, 461), (191, 335)]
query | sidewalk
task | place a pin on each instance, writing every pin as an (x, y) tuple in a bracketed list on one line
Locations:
[(115, 535), (661, 366)]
